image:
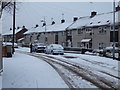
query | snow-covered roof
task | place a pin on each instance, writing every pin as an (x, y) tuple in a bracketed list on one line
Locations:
[(50, 28), (11, 32), (20, 39), (97, 20), (85, 40), (8, 44)]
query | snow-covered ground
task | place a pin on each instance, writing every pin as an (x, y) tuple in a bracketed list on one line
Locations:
[(24, 71)]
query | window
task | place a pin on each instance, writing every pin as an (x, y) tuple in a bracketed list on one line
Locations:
[(88, 30), (69, 33), (78, 44), (63, 33), (102, 29), (51, 33), (101, 45), (30, 38), (116, 27), (80, 31), (38, 37), (116, 36)]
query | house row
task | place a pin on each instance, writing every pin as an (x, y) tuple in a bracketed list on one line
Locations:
[(93, 32)]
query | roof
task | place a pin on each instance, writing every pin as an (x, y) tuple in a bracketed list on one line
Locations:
[(97, 20), (11, 32), (50, 28), (85, 40)]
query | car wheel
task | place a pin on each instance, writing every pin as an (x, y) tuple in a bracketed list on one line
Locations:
[(62, 53)]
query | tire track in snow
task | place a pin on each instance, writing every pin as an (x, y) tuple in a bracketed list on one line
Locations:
[(88, 75)]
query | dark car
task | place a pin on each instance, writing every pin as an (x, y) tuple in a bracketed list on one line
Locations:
[(39, 47)]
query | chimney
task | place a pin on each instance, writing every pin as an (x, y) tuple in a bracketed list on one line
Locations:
[(118, 8), (10, 29), (93, 14), (75, 19), (23, 27), (44, 24), (63, 21), (53, 22), (18, 27), (36, 26)]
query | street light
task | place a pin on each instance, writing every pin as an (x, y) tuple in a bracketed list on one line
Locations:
[(13, 27), (44, 24)]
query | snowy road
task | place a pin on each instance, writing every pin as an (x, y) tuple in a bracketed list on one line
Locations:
[(84, 71), (80, 76)]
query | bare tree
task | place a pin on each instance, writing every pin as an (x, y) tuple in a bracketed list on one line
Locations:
[(6, 5)]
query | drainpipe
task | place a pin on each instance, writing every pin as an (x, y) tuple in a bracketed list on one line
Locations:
[(114, 29)]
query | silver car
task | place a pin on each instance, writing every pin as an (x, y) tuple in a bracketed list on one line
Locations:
[(54, 49)]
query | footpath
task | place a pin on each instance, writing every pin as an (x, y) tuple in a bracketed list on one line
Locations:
[(24, 71)]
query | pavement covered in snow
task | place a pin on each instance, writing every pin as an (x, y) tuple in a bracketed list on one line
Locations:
[(24, 71)]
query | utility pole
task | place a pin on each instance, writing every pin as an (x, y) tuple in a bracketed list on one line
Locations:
[(114, 29), (13, 28), (44, 24), (45, 31)]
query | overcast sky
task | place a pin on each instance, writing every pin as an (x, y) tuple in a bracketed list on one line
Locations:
[(31, 13)]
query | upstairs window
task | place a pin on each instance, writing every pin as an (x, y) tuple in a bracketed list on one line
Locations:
[(80, 31), (102, 29), (63, 33), (88, 30), (116, 27), (69, 33)]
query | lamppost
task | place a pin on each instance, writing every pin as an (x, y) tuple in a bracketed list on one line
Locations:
[(13, 40), (44, 24), (113, 29)]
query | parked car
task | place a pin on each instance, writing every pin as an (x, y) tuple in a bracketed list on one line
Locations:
[(39, 47), (54, 49)]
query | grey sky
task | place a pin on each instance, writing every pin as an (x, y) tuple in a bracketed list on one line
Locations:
[(30, 13)]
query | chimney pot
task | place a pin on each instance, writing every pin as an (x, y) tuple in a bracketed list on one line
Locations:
[(93, 13), (118, 8), (53, 22), (63, 21), (75, 19), (44, 24), (23, 27)]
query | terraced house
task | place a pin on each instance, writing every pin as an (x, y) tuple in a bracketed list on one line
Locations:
[(94, 31), (54, 33)]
